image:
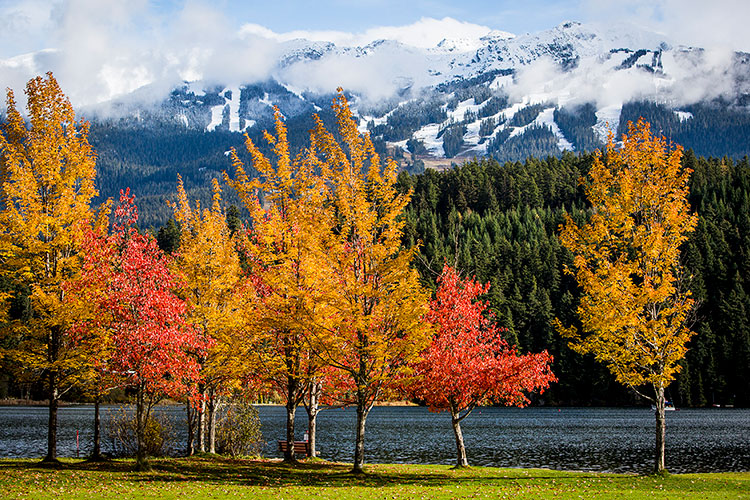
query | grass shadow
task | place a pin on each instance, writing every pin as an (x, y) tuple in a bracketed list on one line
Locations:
[(218, 470)]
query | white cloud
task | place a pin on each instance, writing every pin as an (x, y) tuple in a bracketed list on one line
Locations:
[(377, 76), (700, 23), (24, 21), (425, 33), (108, 49), (689, 77)]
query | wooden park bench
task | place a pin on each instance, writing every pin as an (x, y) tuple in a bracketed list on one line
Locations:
[(300, 447)]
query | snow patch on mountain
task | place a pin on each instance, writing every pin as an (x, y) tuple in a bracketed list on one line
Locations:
[(429, 136), (472, 138), (217, 117), (501, 82), (547, 119), (607, 120), (234, 108), (229, 110), (461, 109)]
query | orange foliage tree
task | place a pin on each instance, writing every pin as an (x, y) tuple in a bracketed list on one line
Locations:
[(47, 171), (627, 261), (468, 363), (208, 263), (374, 302), (286, 262)]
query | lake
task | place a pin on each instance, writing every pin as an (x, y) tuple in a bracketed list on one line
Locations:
[(589, 439)]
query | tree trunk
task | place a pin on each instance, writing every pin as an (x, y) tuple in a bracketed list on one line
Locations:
[(359, 443), (202, 421), (191, 421), (141, 461), (291, 409), (312, 424), (52, 423), (96, 455), (212, 407), (313, 407), (461, 460), (661, 426)]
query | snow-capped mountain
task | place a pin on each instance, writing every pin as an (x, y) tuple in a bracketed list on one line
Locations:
[(564, 89), (484, 93)]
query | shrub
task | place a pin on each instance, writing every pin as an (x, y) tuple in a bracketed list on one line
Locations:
[(120, 428), (238, 431)]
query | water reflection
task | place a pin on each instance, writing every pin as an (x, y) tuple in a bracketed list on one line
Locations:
[(591, 439)]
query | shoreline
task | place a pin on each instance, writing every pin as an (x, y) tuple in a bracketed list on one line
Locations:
[(12, 402), (166, 402)]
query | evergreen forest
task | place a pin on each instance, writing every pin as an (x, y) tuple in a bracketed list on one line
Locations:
[(500, 224)]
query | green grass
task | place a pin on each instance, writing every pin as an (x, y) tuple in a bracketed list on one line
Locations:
[(216, 477)]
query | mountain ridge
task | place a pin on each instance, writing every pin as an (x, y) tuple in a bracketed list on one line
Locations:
[(493, 94), (570, 65)]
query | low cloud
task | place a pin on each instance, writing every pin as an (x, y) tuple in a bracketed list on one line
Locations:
[(377, 76), (425, 33), (710, 24), (688, 76), (105, 50)]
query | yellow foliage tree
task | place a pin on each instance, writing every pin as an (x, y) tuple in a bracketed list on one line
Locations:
[(47, 172), (210, 269), (286, 263), (375, 303), (627, 261)]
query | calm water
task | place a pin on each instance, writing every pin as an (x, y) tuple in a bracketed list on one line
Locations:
[(592, 439)]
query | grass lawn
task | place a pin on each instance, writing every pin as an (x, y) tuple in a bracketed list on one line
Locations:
[(215, 477)]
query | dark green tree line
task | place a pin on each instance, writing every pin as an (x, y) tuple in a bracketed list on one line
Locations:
[(500, 224)]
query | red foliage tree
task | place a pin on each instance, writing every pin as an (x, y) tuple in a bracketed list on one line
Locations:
[(468, 363), (148, 339)]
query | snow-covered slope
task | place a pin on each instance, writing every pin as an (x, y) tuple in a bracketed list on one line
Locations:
[(483, 86)]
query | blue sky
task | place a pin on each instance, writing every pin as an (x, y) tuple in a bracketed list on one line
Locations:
[(506, 15), (30, 25)]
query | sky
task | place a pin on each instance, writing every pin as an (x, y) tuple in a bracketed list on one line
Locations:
[(129, 43), (30, 25)]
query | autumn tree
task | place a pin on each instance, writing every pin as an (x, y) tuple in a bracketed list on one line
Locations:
[(209, 266), (83, 295), (286, 263), (47, 170), (468, 363), (150, 343), (376, 303), (634, 306)]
